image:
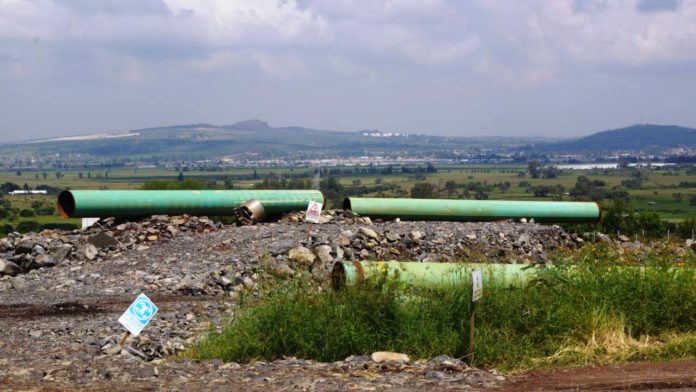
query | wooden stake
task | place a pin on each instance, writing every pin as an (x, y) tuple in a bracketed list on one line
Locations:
[(123, 339)]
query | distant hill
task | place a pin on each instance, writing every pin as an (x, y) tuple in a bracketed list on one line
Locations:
[(256, 139), (252, 139), (644, 137)]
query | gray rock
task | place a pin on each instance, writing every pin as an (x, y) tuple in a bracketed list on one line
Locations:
[(342, 240), (43, 261), (90, 252), (603, 238), (190, 286), (136, 353), (369, 233), (281, 269), (102, 240), (9, 268), (445, 362), (147, 371), (38, 250), (283, 246), (393, 237), (691, 244), (435, 375), (25, 246), (60, 252), (5, 245), (339, 252), (416, 235), (324, 253), (301, 255)]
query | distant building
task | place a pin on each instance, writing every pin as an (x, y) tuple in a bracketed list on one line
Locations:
[(23, 192)]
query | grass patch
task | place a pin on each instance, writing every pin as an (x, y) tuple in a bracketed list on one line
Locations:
[(588, 313)]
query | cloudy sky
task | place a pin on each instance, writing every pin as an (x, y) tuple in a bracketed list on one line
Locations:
[(478, 67)]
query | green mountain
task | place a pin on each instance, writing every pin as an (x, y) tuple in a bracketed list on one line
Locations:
[(646, 137)]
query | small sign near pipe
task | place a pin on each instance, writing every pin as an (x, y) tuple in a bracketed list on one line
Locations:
[(476, 294), (313, 212)]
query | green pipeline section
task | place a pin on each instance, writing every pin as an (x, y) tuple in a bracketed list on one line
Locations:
[(431, 275), (445, 275), (93, 203), (472, 210)]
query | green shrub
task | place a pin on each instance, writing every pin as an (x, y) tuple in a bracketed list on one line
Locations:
[(565, 308), (6, 229), (46, 211), (687, 228), (176, 185), (27, 226), (26, 213), (58, 226)]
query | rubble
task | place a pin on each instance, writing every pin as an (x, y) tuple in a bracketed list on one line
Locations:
[(62, 292), (109, 236)]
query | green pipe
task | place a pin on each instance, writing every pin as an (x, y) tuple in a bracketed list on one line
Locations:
[(472, 210), (433, 275), (444, 275), (91, 203)]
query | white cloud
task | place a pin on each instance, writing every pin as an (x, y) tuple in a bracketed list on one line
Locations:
[(616, 32), (346, 50), (227, 22)]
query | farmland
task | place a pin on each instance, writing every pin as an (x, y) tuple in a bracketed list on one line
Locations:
[(669, 191)]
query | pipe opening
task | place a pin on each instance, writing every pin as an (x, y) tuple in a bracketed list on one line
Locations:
[(338, 276), (346, 203), (250, 212), (66, 204)]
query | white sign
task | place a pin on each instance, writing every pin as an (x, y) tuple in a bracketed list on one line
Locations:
[(136, 317), (476, 285), (87, 222), (313, 212)]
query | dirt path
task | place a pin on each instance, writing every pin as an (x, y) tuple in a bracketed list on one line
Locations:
[(653, 376)]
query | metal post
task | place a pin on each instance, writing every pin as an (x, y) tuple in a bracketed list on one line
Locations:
[(472, 317)]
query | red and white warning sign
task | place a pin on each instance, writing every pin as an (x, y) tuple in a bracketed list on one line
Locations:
[(313, 212)]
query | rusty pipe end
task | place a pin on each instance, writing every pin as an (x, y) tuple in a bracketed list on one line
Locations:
[(66, 204), (338, 276), (347, 274)]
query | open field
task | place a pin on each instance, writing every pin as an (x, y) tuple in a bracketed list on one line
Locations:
[(660, 192)]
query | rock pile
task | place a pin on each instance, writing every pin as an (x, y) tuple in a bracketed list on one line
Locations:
[(23, 253), (418, 241)]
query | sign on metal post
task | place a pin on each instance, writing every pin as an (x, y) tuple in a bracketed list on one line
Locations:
[(138, 315), (313, 212), (476, 285), (476, 294)]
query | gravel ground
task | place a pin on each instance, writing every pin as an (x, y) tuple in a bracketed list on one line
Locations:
[(59, 312)]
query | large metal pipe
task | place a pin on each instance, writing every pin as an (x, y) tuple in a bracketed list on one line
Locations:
[(472, 210), (446, 275), (433, 275), (91, 203)]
